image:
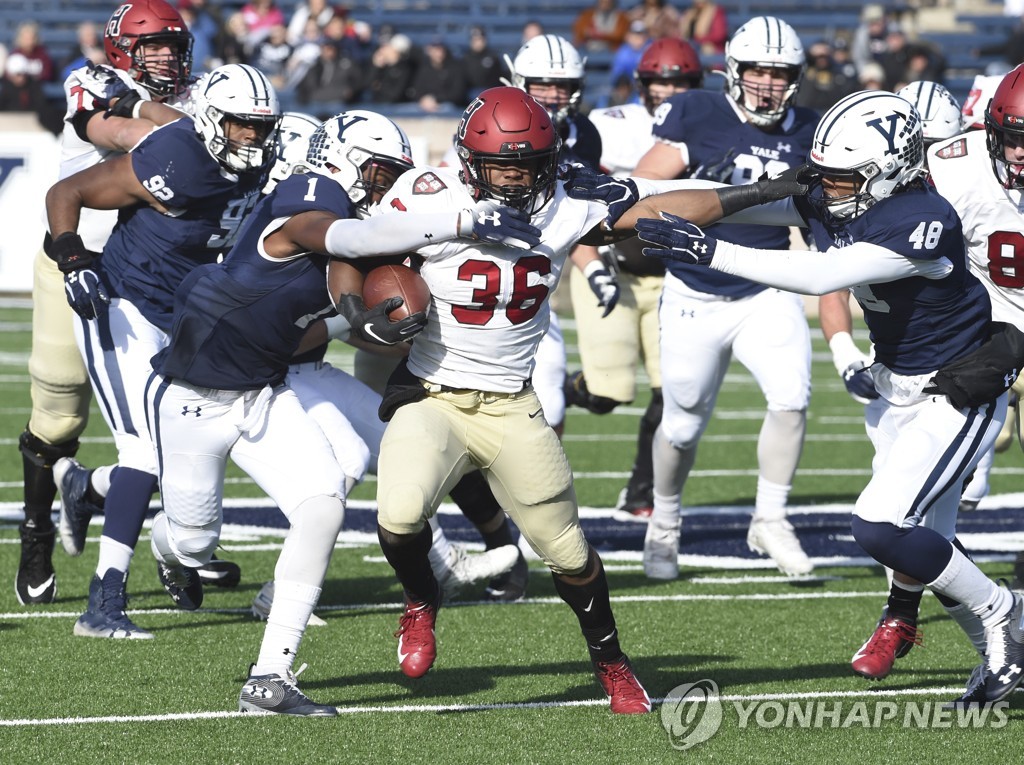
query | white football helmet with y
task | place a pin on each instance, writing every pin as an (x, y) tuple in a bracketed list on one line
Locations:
[(941, 117), (363, 152), (769, 43), (291, 147), (550, 60), (242, 94), (874, 138)]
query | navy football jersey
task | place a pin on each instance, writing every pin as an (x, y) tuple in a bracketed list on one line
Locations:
[(917, 325), (149, 253), (237, 323), (714, 135), (581, 142)]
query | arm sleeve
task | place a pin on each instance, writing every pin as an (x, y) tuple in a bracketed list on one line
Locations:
[(391, 233), (814, 273)]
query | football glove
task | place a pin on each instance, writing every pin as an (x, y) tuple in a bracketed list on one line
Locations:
[(497, 224), (107, 87), (84, 288), (792, 182), (676, 239), (859, 382), (603, 283), (619, 194), (373, 324)]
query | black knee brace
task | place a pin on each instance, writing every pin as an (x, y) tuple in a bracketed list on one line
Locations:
[(42, 454)]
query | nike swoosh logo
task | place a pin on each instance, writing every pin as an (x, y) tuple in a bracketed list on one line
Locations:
[(402, 657), (534, 414), (368, 329), (589, 606), (35, 592)]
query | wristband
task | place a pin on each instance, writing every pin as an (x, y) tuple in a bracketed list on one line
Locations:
[(593, 266), (69, 252), (844, 351)]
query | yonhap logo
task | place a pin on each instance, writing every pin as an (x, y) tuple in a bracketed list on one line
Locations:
[(691, 714)]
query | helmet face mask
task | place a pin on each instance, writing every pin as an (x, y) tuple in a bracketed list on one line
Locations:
[(508, 148), (670, 65), (291, 147), (764, 62), (868, 146), (361, 151), (1004, 129), (941, 117), (230, 102), (550, 60), (149, 40)]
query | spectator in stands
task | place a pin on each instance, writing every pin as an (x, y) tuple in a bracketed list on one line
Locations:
[(628, 56), (706, 25), (21, 92), (320, 11), (482, 64), (531, 29), (439, 79), (89, 49), (661, 19), (601, 27), (205, 26), (27, 43), (392, 70), (235, 45), (825, 82), (872, 76), (272, 54), (904, 62), (260, 17), (305, 54), (869, 39), (335, 76)]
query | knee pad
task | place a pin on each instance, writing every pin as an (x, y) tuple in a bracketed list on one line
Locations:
[(42, 454), (682, 429), (193, 546), (403, 510)]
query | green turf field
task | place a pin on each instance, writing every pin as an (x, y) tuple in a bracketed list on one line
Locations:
[(512, 683)]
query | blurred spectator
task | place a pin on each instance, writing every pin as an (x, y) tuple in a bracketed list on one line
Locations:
[(334, 76), (706, 25), (3, 58), (661, 19), (869, 39), (88, 49), (27, 43), (481, 63), (825, 82), (1013, 8), (391, 71), (304, 55), (271, 55), (260, 17), (531, 29), (872, 76), (205, 26), (904, 62), (320, 11), (21, 92), (439, 79), (628, 55), (622, 92), (234, 45), (602, 27)]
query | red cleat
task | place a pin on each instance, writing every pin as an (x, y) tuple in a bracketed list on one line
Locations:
[(417, 648), (891, 640), (627, 695)]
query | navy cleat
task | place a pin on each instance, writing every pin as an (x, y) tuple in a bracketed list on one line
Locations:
[(974, 692), (511, 585), (75, 508), (277, 694), (220, 573), (1004, 658), (36, 581), (183, 584), (105, 616)]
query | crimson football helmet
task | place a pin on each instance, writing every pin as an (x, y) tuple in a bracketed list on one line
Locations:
[(506, 127), (144, 22), (1005, 116), (668, 60)]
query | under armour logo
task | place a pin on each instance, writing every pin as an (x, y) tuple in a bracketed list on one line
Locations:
[(700, 247), (784, 147), (186, 411), (1008, 677), (494, 218), (1010, 379), (684, 313), (257, 691)]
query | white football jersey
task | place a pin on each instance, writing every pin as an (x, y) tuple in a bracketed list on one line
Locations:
[(993, 220), (625, 136), (488, 302)]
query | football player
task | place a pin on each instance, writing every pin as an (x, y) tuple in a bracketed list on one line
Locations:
[(884, 232), (181, 194), (237, 327), (611, 344), (150, 50), (707, 317)]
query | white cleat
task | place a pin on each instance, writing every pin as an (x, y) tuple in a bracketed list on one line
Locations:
[(265, 599), (463, 569), (778, 540), (661, 551)]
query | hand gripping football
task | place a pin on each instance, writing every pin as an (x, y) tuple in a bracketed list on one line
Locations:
[(385, 282)]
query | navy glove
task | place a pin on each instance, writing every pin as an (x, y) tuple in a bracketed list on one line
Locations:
[(618, 193), (498, 224), (106, 87), (859, 382), (604, 284), (86, 292), (373, 324), (676, 239)]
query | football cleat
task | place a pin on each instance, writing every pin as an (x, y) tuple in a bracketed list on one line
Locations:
[(661, 551), (182, 584), (892, 639), (511, 585), (36, 581), (635, 506), (75, 508), (1004, 660), (265, 599), (974, 692), (1018, 571), (628, 697), (280, 694), (105, 616), (778, 540), (220, 573), (417, 647), (462, 569)]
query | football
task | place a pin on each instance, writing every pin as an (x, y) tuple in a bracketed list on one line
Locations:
[(396, 281)]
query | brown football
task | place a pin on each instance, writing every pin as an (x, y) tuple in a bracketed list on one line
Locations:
[(396, 281)]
